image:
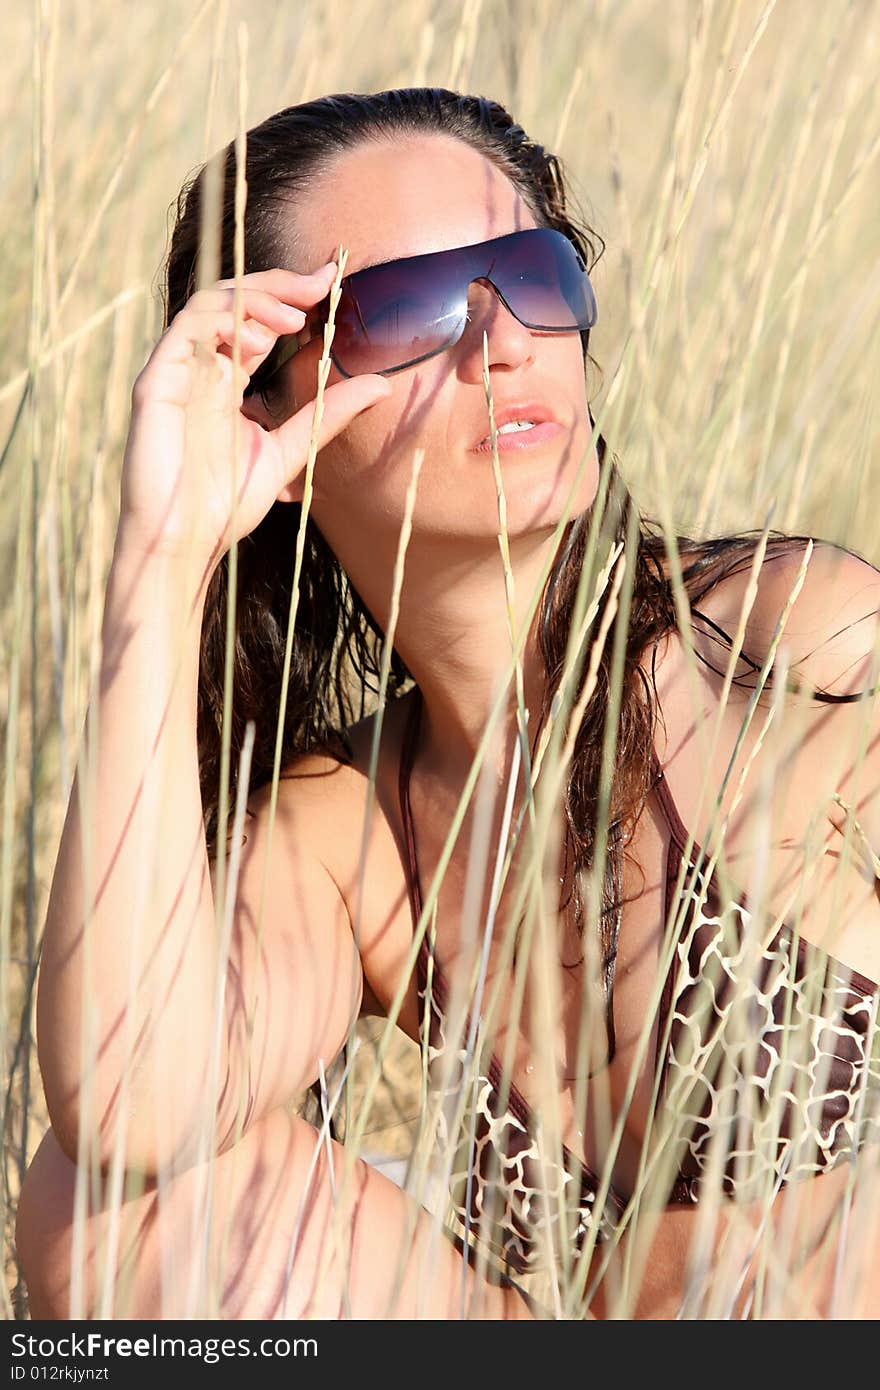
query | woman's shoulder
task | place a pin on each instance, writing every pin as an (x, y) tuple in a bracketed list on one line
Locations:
[(327, 792), (804, 764), (331, 796), (827, 604)]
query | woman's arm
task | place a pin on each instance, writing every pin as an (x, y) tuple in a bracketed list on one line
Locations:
[(825, 761), (146, 971), (133, 858)]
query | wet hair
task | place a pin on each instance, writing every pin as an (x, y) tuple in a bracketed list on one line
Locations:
[(337, 645)]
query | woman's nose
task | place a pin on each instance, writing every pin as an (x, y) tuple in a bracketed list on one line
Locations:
[(487, 312), (484, 302)]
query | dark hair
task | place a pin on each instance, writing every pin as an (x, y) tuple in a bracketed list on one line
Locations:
[(337, 643)]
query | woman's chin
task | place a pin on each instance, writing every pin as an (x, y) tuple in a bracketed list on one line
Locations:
[(541, 504)]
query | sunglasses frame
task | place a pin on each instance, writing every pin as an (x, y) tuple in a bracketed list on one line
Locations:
[(319, 314)]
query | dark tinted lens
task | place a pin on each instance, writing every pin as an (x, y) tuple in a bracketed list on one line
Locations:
[(398, 313), (540, 277), (395, 315)]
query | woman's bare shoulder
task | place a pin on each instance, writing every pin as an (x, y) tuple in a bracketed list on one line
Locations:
[(325, 794), (328, 801), (824, 616), (830, 630), (824, 749)]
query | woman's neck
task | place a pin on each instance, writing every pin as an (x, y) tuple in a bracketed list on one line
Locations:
[(453, 632)]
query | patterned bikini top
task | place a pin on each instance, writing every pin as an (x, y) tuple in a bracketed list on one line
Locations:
[(790, 1041)]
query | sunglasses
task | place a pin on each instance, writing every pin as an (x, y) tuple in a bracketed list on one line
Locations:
[(394, 315)]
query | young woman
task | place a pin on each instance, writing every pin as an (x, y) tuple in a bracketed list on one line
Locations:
[(458, 232)]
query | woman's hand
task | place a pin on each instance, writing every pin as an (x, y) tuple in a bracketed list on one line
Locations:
[(176, 490)]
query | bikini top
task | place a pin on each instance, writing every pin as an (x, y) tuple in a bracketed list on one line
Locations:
[(772, 1052)]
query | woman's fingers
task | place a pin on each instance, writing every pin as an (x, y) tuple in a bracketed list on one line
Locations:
[(215, 330), (255, 304), (289, 285), (187, 405), (211, 327), (208, 317)]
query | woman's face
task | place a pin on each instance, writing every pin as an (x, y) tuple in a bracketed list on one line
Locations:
[(429, 193)]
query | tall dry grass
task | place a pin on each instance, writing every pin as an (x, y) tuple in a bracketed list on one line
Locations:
[(727, 152)]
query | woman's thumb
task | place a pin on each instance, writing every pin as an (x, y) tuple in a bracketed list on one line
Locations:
[(341, 403)]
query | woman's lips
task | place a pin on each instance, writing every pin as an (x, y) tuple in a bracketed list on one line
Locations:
[(519, 440)]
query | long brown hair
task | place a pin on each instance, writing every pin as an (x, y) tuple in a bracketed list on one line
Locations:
[(337, 643)]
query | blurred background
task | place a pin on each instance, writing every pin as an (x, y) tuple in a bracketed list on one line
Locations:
[(726, 152)]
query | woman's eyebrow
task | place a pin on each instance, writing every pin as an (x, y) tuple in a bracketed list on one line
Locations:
[(385, 260), (438, 251), (401, 256)]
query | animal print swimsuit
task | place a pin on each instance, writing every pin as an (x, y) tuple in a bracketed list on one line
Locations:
[(790, 1039)]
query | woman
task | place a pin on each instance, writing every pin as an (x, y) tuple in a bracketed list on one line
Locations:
[(459, 236)]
